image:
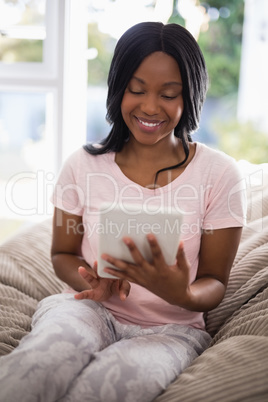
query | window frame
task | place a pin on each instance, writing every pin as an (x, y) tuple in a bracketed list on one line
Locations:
[(63, 72), (29, 72)]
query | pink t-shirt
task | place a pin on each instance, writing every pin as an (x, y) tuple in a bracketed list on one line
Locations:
[(209, 192)]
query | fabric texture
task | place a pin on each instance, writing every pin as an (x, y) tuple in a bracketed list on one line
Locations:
[(26, 277), (78, 351), (210, 195), (235, 370)]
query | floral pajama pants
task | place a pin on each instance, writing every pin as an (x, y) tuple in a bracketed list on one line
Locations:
[(77, 351)]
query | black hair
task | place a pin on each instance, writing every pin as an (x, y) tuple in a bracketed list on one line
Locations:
[(134, 45)]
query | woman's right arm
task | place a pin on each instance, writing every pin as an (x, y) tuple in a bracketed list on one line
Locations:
[(66, 250), (66, 258)]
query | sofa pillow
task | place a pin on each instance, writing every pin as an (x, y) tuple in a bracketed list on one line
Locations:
[(231, 371), (26, 277)]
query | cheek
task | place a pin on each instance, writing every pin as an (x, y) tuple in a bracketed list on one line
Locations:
[(126, 105), (177, 113), (123, 110)]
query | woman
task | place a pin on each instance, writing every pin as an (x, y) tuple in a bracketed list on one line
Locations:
[(127, 339)]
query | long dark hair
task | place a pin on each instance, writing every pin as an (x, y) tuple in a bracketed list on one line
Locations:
[(137, 43)]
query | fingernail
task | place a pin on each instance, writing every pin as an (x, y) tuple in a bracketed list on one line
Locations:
[(150, 237)]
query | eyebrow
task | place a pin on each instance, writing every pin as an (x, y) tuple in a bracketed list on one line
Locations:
[(166, 84)]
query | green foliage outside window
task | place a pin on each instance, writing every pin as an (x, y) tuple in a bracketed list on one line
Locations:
[(99, 67), (221, 45), (21, 50), (242, 141)]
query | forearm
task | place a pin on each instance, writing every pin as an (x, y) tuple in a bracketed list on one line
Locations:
[(204, 295), (66, 268)]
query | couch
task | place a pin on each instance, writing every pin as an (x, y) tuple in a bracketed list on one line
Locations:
[(233, 368)]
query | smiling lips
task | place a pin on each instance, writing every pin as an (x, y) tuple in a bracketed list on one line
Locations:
[(149, 124)]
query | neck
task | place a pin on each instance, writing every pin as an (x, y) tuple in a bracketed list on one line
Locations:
[(140, 163), (165, 152)]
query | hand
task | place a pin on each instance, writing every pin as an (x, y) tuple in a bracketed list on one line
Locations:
[(171, 283), (102, 288)]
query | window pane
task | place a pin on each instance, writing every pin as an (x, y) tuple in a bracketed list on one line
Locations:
[(26, 155), (22, 30)]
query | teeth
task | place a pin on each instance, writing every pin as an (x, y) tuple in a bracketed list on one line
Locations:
[(148, 124)]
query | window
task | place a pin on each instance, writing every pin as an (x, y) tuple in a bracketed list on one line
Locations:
[(22, 32), (42, 100)]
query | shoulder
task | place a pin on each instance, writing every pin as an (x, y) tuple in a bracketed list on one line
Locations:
[(204, 152), (81, 165), (214, 168), (215, 161), (221, 175), (82, 158)]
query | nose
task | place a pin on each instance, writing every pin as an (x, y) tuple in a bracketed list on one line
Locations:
[(150, 105)]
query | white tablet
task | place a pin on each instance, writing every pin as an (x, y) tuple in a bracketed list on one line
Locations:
[(134, 221)]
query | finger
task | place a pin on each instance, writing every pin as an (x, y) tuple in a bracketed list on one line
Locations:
[(118, 265), (124, 289), (127, 270), (128, 275), (134, 251), (85, 273), (181, 258), (95, 267), (85, 294), (88, 276), (118, 273), (157, 254)]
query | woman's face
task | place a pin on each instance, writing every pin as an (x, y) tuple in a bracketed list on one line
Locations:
[(152, 104)]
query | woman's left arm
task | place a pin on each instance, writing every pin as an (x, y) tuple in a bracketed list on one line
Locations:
[(217, 253)]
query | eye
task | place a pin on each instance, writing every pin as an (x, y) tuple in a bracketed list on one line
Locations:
[(169, 97), (135, 92)]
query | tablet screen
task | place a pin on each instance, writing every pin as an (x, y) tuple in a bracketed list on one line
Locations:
[(133, 221)]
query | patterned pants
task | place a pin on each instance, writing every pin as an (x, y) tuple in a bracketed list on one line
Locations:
[(77, 351)]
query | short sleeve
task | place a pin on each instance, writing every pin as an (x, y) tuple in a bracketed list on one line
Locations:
[(226, 205), (68, 193)]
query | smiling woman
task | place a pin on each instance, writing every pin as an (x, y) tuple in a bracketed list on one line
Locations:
[(151, 314), (130, 73), (127, 60), (150, 105)]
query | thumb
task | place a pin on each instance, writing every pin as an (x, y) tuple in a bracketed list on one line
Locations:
[(95, 266), (124, 289), (181, 258), (87, 274)]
